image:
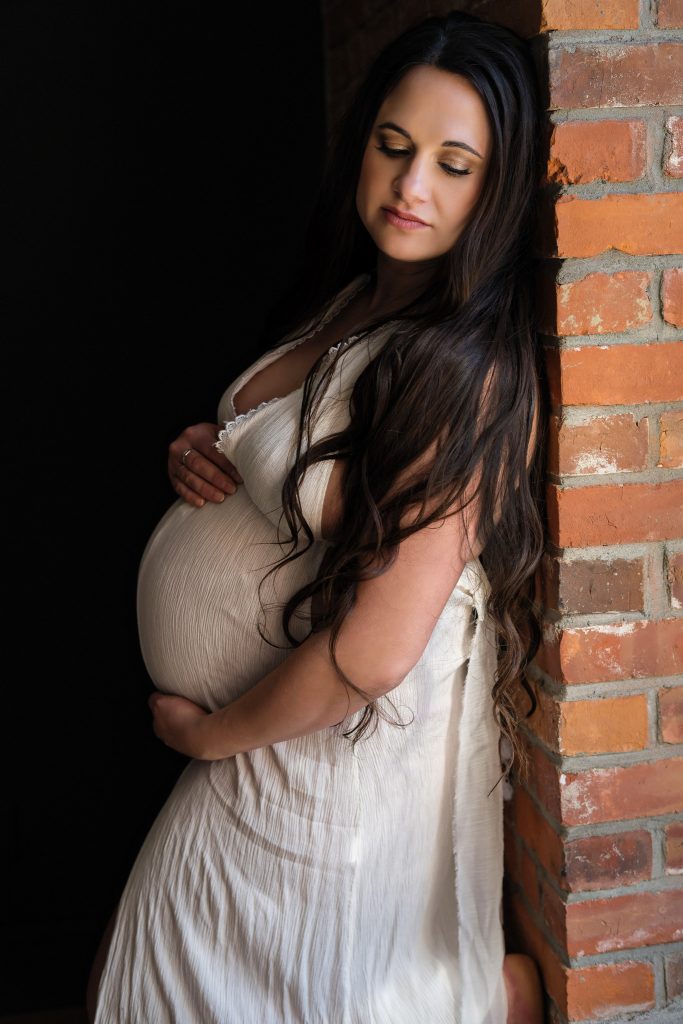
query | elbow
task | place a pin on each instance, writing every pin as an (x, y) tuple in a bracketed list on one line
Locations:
[(393, 677), (381, 681)]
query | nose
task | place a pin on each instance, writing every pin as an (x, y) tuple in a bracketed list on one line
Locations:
[(411, 184)]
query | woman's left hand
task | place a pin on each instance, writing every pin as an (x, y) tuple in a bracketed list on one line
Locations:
[(179, 723)]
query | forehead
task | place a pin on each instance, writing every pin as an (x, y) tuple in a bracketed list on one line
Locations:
[(433, 105)]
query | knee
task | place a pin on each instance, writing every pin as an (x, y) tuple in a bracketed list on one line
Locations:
[(524, 989)]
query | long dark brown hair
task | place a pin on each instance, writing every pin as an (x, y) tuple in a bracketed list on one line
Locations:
[(474, 321)]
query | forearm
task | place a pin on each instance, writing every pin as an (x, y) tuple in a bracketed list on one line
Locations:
[(382, 636), (302, 695)]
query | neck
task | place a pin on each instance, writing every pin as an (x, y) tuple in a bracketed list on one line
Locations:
[(397, 282)]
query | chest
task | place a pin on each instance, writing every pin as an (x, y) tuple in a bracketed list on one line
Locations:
[(287, 374)]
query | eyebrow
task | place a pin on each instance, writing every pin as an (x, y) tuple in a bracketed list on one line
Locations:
[(448, 142)]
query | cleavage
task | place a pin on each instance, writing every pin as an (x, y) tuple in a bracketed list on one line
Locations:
[(280, 377)]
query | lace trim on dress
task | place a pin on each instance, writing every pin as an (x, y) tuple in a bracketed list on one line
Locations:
[(231, 425)]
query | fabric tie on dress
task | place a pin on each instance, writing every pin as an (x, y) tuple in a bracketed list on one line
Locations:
[(478, 838)]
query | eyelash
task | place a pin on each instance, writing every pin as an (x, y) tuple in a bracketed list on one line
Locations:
[(383, 148)]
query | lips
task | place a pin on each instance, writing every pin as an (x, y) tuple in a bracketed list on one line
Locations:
[(404, 215)]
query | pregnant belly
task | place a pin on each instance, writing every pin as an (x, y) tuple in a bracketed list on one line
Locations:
[(198, 605)]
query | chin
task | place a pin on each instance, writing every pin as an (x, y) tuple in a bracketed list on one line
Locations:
[(405, 253)]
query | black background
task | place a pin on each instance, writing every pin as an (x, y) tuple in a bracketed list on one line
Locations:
[(163, 159)]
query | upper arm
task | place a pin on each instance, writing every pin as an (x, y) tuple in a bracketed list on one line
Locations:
[(386, 631), (389, 626)]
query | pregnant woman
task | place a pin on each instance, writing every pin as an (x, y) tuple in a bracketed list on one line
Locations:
[(337, 611)]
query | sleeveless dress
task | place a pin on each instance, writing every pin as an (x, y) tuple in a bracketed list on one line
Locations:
[(305, 882)]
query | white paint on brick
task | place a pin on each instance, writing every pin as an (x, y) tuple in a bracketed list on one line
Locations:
[(675, 162), (614, 629), (596, 462), (575, 799), (644, 308)]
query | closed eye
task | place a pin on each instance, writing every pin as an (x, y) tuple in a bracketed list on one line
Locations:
[(390, 152)]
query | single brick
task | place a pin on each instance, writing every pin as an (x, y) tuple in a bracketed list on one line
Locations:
[(602, 444), (595, 726), (670, 14), (615, 75), (545, 776), (616, 374), (673, 835), (624, 650), (671, 713), (672, 164), (603, 862), (641, 224), (558, 15), (603, 725), (671, 439), (550, 568), (600, 991), (528, 879), (622, 792), (614, 513), (598, 303), (629, 921), (538, 835), (673, 972), (585, 151), (545, 721), (672, 296), (553, 912), (585, 585), (547, 658), (674, 578)]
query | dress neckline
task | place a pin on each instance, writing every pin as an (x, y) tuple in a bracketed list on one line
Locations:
[(338, 303)]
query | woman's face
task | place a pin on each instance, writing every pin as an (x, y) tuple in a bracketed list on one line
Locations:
[(430, 127)]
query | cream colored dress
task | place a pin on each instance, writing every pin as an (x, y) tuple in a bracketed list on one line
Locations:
[(304, 882)]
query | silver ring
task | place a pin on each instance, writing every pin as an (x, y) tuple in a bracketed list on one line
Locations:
[(184, 456)]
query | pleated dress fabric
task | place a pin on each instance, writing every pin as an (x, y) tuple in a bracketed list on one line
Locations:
[(306, 882)]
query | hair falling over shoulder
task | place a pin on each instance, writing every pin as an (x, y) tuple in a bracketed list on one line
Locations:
[(486, 419)]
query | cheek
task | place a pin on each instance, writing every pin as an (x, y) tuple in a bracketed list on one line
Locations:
[(366, 182), (461, 205)]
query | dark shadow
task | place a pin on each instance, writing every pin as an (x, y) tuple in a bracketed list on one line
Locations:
[(155, 215)]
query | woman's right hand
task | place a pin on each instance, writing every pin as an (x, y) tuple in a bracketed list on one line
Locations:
[(207, 474)]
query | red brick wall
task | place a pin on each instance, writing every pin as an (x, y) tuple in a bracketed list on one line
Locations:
[(594, 844)]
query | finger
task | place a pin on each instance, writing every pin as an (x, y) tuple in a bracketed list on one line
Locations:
[(220, 461), (203, 487), (199, 471), (187, 493), (215, 454)]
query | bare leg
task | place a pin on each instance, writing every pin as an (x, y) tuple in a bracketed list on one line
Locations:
[(97, 967), (524, 989)]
